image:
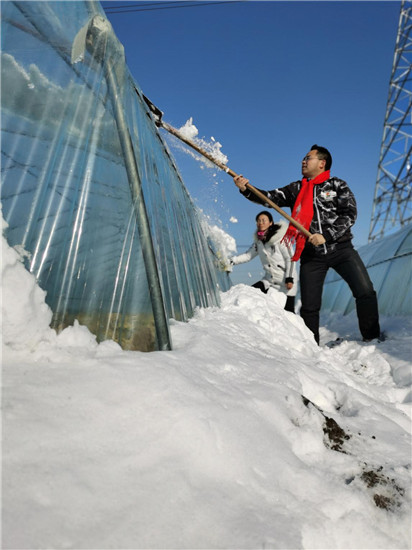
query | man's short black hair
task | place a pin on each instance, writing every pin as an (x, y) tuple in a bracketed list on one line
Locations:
[(323, 154)]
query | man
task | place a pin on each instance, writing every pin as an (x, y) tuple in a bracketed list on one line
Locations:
[(327, 208)]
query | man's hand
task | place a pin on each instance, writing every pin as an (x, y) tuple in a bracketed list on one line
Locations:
[(289, 285), (241, 182), (317, 239)]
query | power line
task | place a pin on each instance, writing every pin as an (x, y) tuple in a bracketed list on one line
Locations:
[(142, 4), (150, 6), (170, 5)]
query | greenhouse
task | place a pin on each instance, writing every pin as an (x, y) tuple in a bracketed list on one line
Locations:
[(93, 200), (90, 195), (389, 263)]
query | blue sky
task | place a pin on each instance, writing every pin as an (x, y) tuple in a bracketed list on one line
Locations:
[(267, 80)]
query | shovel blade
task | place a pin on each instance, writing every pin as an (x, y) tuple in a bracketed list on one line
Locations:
[(156, 112)]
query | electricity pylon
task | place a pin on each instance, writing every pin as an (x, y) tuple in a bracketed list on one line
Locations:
[(392, 207)]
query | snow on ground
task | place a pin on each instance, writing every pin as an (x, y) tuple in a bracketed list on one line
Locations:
[(245, 436)]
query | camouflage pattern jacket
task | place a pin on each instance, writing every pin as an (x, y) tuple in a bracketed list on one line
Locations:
[(334, 210)]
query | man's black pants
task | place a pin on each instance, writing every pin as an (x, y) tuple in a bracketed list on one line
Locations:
[(348, 264)]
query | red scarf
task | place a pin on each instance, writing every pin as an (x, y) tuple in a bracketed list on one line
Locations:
[(303, 213)]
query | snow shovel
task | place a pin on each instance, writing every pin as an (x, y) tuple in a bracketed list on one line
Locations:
[(157, 117)]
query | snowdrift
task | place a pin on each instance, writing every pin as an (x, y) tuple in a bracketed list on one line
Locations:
[(246, 435)]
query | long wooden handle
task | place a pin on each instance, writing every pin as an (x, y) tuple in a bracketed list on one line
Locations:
[(226, 169), (262, 196)]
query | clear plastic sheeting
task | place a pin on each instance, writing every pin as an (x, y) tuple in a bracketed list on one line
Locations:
[(90, 195), (389, 264)]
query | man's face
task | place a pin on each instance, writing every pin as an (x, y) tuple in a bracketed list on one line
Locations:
[(311, 165)]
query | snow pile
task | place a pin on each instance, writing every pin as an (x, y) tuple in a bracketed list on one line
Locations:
[(19, 307), (213, 147), (246, 435), (224, 243)]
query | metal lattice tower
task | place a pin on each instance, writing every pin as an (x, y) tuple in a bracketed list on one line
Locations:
[(392, 207)]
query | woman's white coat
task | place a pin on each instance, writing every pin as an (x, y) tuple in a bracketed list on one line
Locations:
[(276, 258)]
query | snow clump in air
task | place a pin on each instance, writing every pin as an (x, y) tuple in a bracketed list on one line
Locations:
[(213, 147)]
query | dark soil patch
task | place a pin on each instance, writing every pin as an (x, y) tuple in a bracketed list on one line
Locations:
[(336, 436), (387, 494)]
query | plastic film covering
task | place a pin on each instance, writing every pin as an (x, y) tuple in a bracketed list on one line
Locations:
[(90, 195), (389, 264)]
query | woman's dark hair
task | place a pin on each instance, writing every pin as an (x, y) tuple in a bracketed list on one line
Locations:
[(274, 228), (266, 213), (323, 154)]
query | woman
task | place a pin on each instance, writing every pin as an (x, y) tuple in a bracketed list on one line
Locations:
[(275, 255)]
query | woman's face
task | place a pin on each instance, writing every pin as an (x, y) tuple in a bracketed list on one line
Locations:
[(263, 223)]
